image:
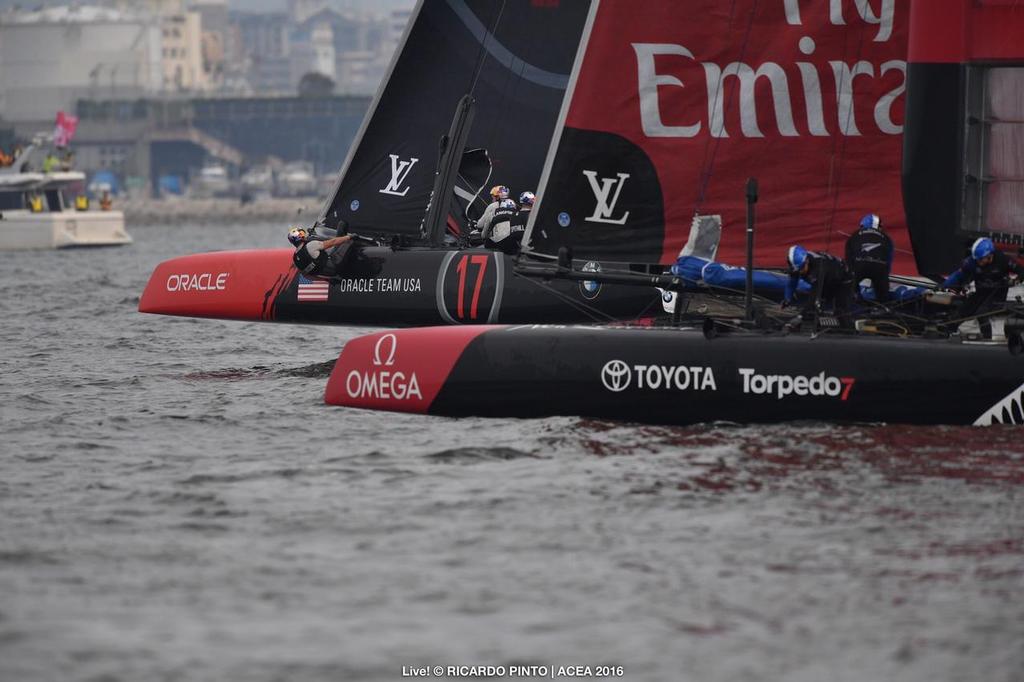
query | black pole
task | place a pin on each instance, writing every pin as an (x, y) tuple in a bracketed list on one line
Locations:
[(751, 200)]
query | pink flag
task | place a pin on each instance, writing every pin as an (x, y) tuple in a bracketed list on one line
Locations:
[(65, 129)]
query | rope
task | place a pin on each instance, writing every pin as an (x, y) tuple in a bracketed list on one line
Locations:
[(707, 166), (842, 143), (481, 54), (593, 313)]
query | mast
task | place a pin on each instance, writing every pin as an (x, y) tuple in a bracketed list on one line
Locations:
[(451, 147)]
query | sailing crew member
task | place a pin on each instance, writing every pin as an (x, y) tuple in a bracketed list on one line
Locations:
[(498, 194), (990, 270), (518, 224), (498, 234), (311, 254), (869, 253), (829, 279), (106, 203)]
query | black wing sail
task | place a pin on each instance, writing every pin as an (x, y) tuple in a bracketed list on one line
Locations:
[(603, 199), (513, 56)]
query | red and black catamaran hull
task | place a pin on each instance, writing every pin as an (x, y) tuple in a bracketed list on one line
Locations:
[(382, 287), (667, 376)]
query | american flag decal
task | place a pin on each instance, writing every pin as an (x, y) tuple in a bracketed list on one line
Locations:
[(312, 290)]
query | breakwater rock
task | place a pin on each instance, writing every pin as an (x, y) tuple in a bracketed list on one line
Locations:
[(303, 210)]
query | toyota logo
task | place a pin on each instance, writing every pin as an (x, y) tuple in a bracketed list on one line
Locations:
[(615, 375), (384, 353)]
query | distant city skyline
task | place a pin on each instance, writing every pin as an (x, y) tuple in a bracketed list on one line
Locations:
[(245, 5), (271, 5)]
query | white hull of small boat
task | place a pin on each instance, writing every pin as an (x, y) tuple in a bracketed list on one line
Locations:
[(24, 230)]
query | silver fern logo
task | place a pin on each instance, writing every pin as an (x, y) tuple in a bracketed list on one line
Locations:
[(1009, 410)]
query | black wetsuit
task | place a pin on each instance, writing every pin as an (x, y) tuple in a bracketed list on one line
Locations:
[(518, 225), (306, 262), (499, 234), (991, 283), (869, 256), (830, 284)]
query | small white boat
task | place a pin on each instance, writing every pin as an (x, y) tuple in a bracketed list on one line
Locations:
[(212, 181), (38, 211), (296, 179), (258, 181)]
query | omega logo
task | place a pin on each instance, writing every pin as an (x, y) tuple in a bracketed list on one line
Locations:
[(379, 357)]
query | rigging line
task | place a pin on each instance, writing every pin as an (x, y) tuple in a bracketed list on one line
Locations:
[(706, 179), (843, 134), (643, 312), (512, 80), (895, 248), (592, 312), (482, 54), (716, 100), (990, 313), (875, 307)]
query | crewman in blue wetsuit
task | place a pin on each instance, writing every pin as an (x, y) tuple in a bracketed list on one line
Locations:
[(869, 253), (830, 281), (990, 270)]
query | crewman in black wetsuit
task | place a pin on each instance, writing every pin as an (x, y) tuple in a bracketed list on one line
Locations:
[(498, 235), (498, 194), (990, 270), (869, 253), (311, 254), (829, 279), (518, 223)]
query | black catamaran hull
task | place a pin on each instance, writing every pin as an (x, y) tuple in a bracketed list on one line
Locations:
[(676, 376), (382, 287)]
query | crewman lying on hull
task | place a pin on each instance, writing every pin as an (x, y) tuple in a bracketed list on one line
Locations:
[(312, 255), (831, 283), (990, 270)]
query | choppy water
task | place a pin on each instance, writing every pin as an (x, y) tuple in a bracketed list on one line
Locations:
[(176, 503)]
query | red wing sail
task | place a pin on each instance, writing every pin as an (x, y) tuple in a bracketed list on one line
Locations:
[(963, 166), (678, 103)]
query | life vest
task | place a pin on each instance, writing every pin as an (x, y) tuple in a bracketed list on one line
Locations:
[(995, 275), (305, 263), (869, 246), (501, 222)]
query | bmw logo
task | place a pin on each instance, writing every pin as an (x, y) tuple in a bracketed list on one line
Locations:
[(615, 376), (667, 296), (564, 219), (589, 288), (354, 205)]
